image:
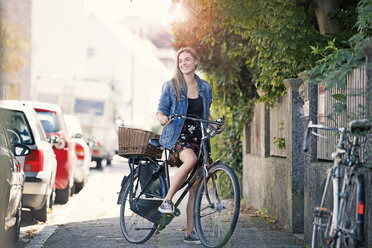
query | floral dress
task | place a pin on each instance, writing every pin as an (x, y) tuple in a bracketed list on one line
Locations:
[(190, 137)]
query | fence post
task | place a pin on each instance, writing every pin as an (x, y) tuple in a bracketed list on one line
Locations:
[(295, 155), (309, 94), (366, 47)]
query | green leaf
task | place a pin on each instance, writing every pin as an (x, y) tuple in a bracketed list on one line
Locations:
[(340, 97)]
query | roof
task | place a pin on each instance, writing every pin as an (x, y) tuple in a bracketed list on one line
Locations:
[(44, 106), (14, 105)]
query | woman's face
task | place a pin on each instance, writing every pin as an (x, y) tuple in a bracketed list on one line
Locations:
[(187, 63)]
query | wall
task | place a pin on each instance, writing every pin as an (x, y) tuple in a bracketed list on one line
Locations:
[(288, 182), (272, 177)]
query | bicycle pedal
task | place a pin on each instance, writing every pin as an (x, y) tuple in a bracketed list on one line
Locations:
[(320, 211)]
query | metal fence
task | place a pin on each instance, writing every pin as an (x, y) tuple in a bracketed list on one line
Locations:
[(354, 90)]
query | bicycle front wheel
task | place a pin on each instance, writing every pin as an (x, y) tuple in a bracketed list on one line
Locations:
[(135, 228), (216, 218), (352, 211)]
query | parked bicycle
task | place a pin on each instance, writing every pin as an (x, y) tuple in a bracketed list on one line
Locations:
[(338, 217), (217, 202)]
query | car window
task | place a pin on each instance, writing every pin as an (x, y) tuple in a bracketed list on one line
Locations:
[(40, 129), (3, 138), (18, 128), (72, 124), (49, 121)]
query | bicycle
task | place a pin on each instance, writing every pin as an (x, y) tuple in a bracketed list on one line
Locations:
[(217, 201), (338, 221)]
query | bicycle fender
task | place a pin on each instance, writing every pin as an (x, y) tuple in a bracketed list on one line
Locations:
[(120, 197)]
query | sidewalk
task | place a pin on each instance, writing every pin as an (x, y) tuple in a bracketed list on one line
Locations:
[(92, 221), (252, 231)]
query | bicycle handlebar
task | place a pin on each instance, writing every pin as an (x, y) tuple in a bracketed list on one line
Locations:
[(219, 121), (311, 126), (305, 145)]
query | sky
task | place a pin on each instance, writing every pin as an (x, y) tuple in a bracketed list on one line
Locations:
[(156, 9)]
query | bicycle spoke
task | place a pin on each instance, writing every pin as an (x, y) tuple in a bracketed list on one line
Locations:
[(349, 228), (215, 222), (135, 228)]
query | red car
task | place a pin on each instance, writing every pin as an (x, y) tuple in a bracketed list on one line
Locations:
[(51, 118)]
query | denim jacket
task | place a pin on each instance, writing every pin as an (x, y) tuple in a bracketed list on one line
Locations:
[(168, 105)]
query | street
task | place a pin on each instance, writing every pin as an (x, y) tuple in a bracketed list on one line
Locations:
[(91, 219)]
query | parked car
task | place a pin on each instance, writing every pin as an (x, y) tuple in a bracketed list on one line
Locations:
[(40, 165), (82, 151), (12, 180), (51, 118), (99, 153)]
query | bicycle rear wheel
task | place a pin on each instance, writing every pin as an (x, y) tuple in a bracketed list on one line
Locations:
[(352, 211), (135, 228), (323, 219), (215, 221)]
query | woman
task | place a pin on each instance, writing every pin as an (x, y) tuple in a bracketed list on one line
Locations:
[(185, 94)]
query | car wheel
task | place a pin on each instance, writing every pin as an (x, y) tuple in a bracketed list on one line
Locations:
[(62, 195), (15, 230), (79, 187), (72, 190), (52, 197), (2, 227), (99, 164), (41, 214)]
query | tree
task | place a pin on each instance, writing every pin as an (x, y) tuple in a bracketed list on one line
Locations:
[(249, 44), (12, 51)]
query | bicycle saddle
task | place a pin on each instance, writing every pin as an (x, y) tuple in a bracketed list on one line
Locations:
[(154, 142), (360, 126)]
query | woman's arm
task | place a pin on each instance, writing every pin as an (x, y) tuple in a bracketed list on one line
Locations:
[(165, 100)]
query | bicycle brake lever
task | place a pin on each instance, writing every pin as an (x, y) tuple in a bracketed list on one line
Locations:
[(318, 135)]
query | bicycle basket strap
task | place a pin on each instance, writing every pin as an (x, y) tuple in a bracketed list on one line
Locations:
[(154, 187)]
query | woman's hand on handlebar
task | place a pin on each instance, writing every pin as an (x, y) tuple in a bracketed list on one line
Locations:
[(217, 127), (163, 119)]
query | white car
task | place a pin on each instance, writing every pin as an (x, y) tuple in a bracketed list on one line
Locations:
[(82, 150), (40, 165)]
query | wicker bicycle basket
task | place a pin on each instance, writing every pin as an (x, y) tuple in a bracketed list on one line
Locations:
[(134, 142)]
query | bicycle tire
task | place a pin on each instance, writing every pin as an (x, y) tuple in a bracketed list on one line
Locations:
[(323, 219), (351, 215), (135, 228), (213, 224)]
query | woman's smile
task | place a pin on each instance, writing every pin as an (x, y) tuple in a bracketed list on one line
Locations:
[(187, 63)]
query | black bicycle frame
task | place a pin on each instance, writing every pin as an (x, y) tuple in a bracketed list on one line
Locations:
[(195, 174)]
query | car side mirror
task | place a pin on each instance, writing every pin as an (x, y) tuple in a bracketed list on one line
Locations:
[(53, 139), (78, 135), (21, 150)]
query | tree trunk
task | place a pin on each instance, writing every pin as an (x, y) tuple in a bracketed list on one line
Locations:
[(322, 9)]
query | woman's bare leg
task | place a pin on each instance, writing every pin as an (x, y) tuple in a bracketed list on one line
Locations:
[(190, 208), (189, 159)]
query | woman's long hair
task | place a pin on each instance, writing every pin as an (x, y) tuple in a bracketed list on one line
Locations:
[(178, 80)]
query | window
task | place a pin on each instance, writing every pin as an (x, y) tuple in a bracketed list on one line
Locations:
[(49, 121), (89, 107), (90, 52), (19, 131), (3, 141)]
